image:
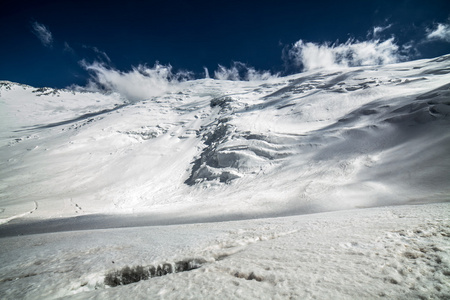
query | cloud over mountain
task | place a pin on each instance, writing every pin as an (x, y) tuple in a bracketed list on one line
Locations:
[(241, 71), (311, 56)]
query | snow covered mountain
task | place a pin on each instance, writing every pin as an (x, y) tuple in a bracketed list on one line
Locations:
[(310, 142), (89, 182)]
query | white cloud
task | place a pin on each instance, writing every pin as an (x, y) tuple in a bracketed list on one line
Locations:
[(140, 83), (313, 56), (240, 71), (379, 29), (441, 32), (68, 49), (101, 54), (222, 73), (206, 72), (43, 34)]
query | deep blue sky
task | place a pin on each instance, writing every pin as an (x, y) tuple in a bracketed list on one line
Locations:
[(191, 35)]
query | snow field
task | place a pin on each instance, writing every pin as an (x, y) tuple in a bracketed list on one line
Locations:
[(399, 252), (92, 183)]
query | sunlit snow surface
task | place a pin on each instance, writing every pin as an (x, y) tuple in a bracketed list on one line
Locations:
[(397, 252), (212, 150)]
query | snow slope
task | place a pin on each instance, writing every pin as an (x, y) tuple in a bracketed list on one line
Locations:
[(310, 142), (90, 182)]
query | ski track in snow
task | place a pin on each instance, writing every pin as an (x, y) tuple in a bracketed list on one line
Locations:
[(95, 182)]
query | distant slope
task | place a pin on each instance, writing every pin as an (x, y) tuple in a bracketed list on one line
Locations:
[(310, 142)]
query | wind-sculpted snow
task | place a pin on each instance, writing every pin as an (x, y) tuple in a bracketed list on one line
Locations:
[(315, 141)]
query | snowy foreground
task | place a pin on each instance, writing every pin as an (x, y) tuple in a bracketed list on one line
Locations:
[(397, 252), (262, 189)]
